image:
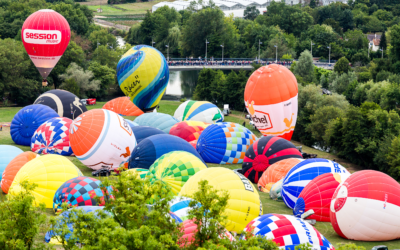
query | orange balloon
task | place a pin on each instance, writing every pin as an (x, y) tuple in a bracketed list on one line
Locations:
[(13, 167), (123, 106), (275, 173), (271, 99)]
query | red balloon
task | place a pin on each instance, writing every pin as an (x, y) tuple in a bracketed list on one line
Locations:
[(45, 35)]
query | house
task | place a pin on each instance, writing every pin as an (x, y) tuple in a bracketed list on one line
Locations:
[(374, 40)]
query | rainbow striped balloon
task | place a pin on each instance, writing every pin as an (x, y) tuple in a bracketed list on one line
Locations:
[(143, 76), (200, 111)]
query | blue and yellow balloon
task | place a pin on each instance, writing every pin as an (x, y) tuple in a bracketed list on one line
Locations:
[(143, 76)]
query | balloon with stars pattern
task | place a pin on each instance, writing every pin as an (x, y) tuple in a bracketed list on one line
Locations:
[(80, 191), (52, 137)]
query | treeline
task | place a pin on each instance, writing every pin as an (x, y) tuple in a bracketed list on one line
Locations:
[(342, 27), (87, 67), (358, 120)]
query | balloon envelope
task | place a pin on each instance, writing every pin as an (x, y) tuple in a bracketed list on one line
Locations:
[(244, 201), (123, 106), (45, 35), (276, 191), (317, 195), (49, 172), (52, 137), (270, 97), (366, 207), (288, 231), (13, 167), (27, 120), (143, 76), (180, 206), (201, 111), (265, 152), (224, 143), (80, 191), (188, 130), (161, 121), (142, 132), (63, 102), (7, 154), (276, 172), (101, 138), (153, 147), (174, 169), (304, 172)]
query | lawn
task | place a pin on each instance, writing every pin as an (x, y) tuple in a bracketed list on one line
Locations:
[(269, 206), (124, 9)]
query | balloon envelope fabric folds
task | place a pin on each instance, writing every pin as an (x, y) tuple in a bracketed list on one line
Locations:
[(224, 143), (304, 172), (264, 152), (52, 137), (142, 132), (7, 154), (101, 139), (27, 120), (123, 106), (161, 121), (153, 147), (143, 76), (201, 111), (63, 102)]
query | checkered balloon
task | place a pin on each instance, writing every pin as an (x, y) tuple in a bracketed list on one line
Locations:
[(52, 137), (80, 191)]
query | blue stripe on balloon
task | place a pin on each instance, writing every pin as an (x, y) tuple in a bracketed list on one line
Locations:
[(201, 108), (107, 120), (148, 95), (180, 205), (128, 65)]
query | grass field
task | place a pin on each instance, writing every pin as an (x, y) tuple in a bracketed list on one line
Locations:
[(124, 9), (269, 206)]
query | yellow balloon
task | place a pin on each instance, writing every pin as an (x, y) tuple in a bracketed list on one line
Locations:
[(49, 172), (244, 203)]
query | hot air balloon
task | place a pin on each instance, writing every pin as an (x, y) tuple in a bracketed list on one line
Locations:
[(174, 169), (161, 121), (52, 237), (244, 202), (45, 35), (49, 172), (366, 207), (131, 123), (123, 106), (265, 152), (317, 196), (80, 191), (13, 167), (188, 130), (180, 206), (63, 102), (143, 76), (224, 143), (52, 137), (288, 231), (142, 173), (27, 120), (276, 191), (7, 154), (271, 99), (101, 138), (153, 147), (276, 172), (200, 111), (189, 229), (142, 132), (304, 172)]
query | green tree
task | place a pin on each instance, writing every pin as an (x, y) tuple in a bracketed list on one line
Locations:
[(102, 37), (283, 47), (84, 79), (383, 43), (313, 4), (107, 56), (75, 16), (233, 89), (342, 66), (106, 77), (341, 83), (251, 12), (305, 67), (21, 219), (393, 158), (71, 86), (208, 85)]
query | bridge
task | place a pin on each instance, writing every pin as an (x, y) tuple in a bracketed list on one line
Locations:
[(197, 65)]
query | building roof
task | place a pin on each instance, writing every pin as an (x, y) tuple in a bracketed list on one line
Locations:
[(376, 41), (373, 36)]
